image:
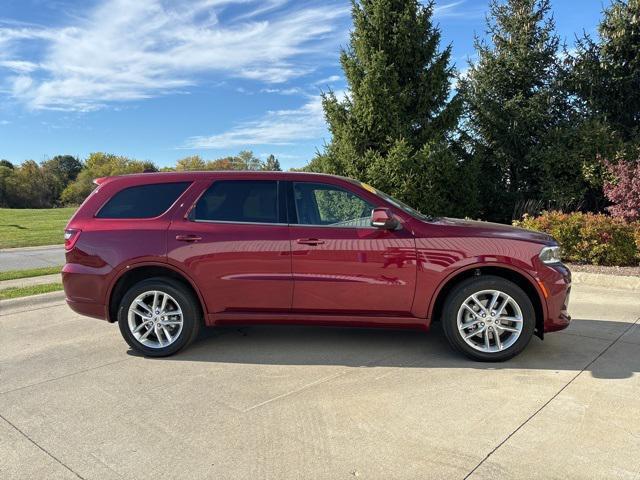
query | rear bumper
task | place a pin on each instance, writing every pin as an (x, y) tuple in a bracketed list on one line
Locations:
[(84, 289), (88, 309), (557, 283)]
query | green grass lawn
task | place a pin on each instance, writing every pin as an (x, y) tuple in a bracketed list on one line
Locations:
[(30, 227), (28, 273), (15, 292)]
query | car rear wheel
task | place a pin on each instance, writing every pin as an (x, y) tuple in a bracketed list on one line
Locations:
[(488, 318), (159, 316)]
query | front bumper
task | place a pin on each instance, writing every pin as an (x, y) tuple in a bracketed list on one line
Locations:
[(557, 285)]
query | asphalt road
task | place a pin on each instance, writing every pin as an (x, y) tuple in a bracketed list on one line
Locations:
[(31, 257), (321, 403)]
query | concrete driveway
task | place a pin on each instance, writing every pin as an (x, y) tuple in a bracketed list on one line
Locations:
[(321, 403)]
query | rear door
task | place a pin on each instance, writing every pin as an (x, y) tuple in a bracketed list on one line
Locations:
[(340, 263), (235, 244)]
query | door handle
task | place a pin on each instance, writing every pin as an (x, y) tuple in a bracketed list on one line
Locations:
[(188, 238), (310, 241)]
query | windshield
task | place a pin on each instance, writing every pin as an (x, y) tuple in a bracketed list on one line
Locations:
[(394, 201)]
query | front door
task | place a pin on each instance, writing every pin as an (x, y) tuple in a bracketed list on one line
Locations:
[(340, 263), (235, 244)]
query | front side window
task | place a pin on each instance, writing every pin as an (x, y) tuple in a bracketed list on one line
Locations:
[(329, 205), (143, 201), (393, 201), (254, 201)]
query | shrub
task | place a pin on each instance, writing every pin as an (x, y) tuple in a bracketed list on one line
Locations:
[(590, 238), (623, 190)]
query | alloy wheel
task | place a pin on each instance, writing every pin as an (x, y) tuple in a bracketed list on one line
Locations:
[(155, 319), (490, 321)]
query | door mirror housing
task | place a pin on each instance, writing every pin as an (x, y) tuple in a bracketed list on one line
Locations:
[(383, 218)]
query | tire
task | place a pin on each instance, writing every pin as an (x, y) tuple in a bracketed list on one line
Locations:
[(165, 334), (506, 333)]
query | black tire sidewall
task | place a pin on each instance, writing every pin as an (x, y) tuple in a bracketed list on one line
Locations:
[(191, 316), (487, 282)]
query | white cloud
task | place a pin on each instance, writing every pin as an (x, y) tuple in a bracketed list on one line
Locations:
[(328, 80), (283, 91), (279, 127), (124, 50), (462, 74), (452, 10), (20, 66)]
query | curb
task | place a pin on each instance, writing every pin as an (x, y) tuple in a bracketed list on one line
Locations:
[(619, 282), (13, 304), (28, 249)]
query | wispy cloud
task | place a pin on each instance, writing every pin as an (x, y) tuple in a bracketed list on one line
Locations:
[(123, 50), (328, 80), (457, 9), (284, 91), (279, 127), (20, 66)]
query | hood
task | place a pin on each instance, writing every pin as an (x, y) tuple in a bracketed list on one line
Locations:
[(494, 230)]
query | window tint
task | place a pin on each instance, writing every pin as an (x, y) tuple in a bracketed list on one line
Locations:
[(239, 201), (143, 201), (324, 204)]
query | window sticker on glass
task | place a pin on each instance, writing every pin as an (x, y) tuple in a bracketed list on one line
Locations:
[(368, 187)]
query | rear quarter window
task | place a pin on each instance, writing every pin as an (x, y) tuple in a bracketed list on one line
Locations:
[(142, 201)]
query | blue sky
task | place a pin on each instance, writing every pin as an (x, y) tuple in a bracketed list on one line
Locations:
[(162, 79)]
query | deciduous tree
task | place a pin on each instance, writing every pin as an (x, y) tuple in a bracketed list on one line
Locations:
[(101, 164)]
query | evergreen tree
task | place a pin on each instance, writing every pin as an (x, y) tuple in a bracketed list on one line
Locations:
[(394, 126), (272, 164), (517, 115), (604, 80), (606, 73)]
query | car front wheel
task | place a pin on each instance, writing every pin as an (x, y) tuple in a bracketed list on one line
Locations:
[(488, 318), (159, 316)]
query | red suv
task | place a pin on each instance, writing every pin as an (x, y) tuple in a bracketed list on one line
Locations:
[(164, 253)]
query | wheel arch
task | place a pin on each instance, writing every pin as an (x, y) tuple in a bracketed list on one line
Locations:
[(132, 274), (520, 278)]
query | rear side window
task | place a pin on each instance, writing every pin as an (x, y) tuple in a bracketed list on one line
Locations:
[(254, 201), (143, 201)]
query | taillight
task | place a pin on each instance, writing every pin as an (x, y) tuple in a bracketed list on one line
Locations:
[(71, 236)]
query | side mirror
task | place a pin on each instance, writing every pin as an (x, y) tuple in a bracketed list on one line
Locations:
[(383, 218)]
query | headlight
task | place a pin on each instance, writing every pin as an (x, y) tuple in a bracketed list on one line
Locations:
[(550, 255)]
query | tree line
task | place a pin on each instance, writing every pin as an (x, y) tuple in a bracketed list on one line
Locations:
[(67, 180), (528, 125)]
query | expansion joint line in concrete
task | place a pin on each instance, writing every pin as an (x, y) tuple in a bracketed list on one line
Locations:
[(553, 397), (44, 450)]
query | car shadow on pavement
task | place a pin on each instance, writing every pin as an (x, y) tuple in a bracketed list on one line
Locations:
[(585, 345)]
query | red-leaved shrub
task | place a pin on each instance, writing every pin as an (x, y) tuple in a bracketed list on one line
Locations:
[(623, 191)]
